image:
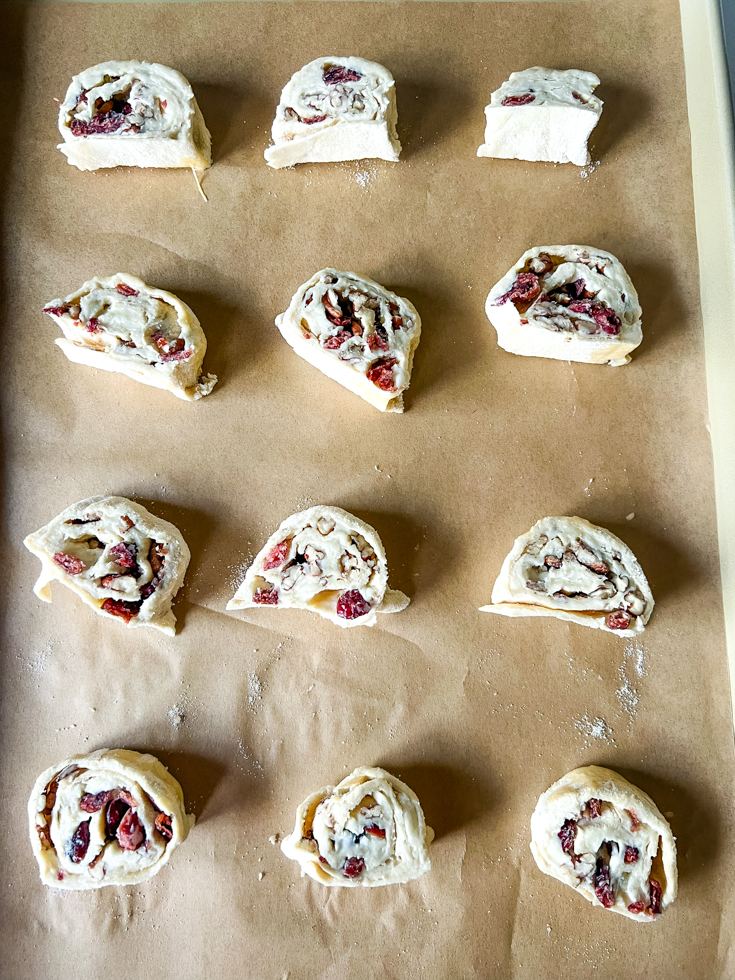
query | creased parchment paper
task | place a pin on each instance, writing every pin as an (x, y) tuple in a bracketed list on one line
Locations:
[(253, 711)]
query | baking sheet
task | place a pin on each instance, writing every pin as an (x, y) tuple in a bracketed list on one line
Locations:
[(253, 711)]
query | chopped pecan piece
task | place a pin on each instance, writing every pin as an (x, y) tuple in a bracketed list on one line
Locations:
[(552, 561), (337, 314), (352, 605)]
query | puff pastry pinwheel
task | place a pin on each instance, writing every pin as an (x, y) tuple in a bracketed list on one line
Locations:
[(118, 558), (367, 831), (542, 114), (132, 114), (606, 838), (357, 333), (326, 560), (119, 324), (570, 569), (336, 109), (567, 302), (112, 817)]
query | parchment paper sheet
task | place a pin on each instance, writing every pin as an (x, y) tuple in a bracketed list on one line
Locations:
[(253, 711)]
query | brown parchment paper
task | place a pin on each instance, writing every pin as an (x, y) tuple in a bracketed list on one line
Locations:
[(253, 711)]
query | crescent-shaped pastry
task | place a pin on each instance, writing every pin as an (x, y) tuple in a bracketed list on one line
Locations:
[(112, 817), (118, 558), (132, 114), (570, 569), (336, 109), (567, 302), (119, 324), (367, 831), (606, 838), (325, 560), (542, 114), (356, 332)]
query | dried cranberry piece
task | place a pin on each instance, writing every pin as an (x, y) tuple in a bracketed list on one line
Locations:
[(375, 831), (566, 835), (70, 564), (353, 867), (337, 340), (56, 310), (108, 122), (91, 803), (93, 325), (576, 288), (377, 342), (277, 555), (593, 808), (577, 96), (126, 290), (171, 350), (338, 74), (631, 854), (637, 907), (76, 849), (114, 813), (380, 373), (266, 597), (524, 290), (580, 306), (602, 884), (312, 119), (163, 826), (526, 99), (352, 605), (338, 315), (124, 554), (148, 590), (634, 821), (323, 860), (619, 620), (656, 893), (130, 834), (125, 610), (607, 320)]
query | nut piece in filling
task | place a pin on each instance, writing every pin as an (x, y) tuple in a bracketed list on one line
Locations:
[(570, 569), (113, 817), (567, 302), (336, 109), (117, 557), (356, 332), (326, 560), (367, 831), (606, 838)]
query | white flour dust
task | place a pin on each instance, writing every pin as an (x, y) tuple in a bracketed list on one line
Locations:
[(633, 666), (255, 690), (594, 728), (589, 169), (237, 571), (182, 712), (37, 662), (252, 766)]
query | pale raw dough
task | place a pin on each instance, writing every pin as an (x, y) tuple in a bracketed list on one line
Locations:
[(570, 569), (600, 834), (367, 831), (356, 332), (567, 302), (80, 791), (336, 109), (542, 114), (145, 116), (325, 560), (120, 324), (118, 558)]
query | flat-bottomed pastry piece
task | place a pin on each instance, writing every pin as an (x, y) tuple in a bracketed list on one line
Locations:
[(542, 114), (336, 109), (118, 557), (325, 560), (600, 834), (567, 302), (112, 817), (132, 114), (367, 831), (356, 332), (120, 324), (570, 569)]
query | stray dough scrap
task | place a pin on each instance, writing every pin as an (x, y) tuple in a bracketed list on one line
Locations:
[(604, 837), (542, 114), (118, 557), (567, 302), (132, 114), (356, 332), (113, 817), (325, 560), (367, 831), (120, 324), (336, 109), (570, 569)]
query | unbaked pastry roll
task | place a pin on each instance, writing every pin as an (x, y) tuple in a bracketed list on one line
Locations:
[(606, 838), (568, 302), (542, 114), (132, 114), (369, 830), (336, 109), (118, 558), (356, 332), (570, 569), (112, 817), (326, 560), (119, 324)]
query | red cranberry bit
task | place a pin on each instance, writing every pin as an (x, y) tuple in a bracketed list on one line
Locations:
[(266, 597), (352, 605), (637, 907), (323, 860), (337, 314), (602, 884), (312, 120), (607, 320), (56, 310), (124, 554), (114, 813), (631, 854), (576, 288), (93, 325), (656, 893), (526, 99), (618, 620), (353, 867), (276, 556), (126, 290), (381, 373), (130, 833), (171, 350), (76, 849), (577, 96), (70, 564), (566, 835), (377, 342), (163, 826), (109, 122), (125, 610), (524, 290), (634, 821), (337, 340), (593, 808), (91, 803), (338, 74), (375, 831), (552, 561), (396, 319), (108, 582), (164, 103), (580, 306)]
